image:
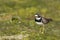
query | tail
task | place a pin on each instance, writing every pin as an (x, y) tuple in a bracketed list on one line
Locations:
[(50, 19)]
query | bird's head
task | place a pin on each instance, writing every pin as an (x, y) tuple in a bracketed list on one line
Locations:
[(37, 15)]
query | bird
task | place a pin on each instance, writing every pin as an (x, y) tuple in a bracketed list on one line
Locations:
[(41, 20)]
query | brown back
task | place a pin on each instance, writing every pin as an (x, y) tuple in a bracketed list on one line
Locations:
[(45, 20)]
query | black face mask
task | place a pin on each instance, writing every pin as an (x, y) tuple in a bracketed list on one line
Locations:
[(39, 16)]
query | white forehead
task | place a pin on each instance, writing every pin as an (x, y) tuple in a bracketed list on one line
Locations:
[(36, 15)]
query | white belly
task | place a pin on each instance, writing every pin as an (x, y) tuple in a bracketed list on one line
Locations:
[(39, 23)]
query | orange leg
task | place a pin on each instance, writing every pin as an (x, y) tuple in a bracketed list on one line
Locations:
[(43, 29)]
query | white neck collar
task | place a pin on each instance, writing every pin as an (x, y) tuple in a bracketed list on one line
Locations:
[(38, 18)]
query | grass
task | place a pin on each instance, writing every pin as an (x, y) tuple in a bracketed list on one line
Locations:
[(25, 9)]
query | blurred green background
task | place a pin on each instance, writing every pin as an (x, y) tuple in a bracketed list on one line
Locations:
[(24, 11)]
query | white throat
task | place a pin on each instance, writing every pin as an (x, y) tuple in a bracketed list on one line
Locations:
[(38, 18)]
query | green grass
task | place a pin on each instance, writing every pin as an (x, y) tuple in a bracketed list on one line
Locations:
[(26, 9)]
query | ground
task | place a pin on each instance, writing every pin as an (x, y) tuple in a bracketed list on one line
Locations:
[(24, 11)]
